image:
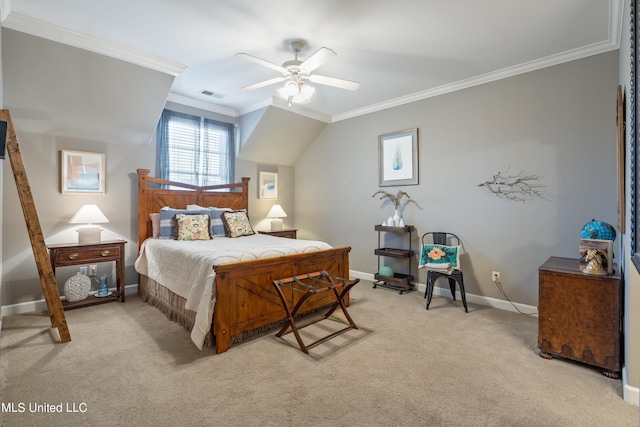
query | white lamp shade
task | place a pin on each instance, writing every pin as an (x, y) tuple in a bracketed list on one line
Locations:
[(88, 214), (276, 212)]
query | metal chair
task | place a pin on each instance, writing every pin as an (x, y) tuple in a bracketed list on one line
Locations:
[(454, 276)]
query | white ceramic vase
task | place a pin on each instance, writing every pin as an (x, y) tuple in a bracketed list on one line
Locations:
[(77, 287), (396, 219)]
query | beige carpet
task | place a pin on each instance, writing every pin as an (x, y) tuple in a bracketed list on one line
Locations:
[(128, 365)]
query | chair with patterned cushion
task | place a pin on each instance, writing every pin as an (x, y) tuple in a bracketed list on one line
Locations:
[(440, 256)]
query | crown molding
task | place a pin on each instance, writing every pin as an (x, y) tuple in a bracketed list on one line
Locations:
[(478, 80), (23, 23), (5, 9), (202, 105), (278, 102), (616, 16), (300, 110)]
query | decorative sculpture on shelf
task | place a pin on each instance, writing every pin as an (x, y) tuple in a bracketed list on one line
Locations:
[(395, 220), (514, 187), (596, 248), (595, 262)]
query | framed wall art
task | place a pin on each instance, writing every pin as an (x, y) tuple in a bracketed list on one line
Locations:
[(268, 183), (82, 172), (398, 158)]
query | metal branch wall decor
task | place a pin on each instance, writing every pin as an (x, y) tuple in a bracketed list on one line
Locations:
[(517, 188)]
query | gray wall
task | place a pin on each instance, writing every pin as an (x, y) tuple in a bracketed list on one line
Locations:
[(41, 158), (558, 123)]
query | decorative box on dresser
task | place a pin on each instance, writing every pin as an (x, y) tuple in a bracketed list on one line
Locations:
[(580, 316)]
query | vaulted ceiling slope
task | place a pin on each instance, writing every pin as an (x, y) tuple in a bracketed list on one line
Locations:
[(60, 90), (276, 136), (399, 51)]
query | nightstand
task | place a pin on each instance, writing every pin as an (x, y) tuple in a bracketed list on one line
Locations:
[(288, 233), (63, 255)]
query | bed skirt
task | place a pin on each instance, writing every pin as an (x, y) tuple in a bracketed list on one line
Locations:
[(173, 306)]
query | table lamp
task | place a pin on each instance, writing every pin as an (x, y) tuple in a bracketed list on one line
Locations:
[(89, 215), (276, 213)]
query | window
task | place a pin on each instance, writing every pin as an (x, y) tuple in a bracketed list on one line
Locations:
[(194, 150)]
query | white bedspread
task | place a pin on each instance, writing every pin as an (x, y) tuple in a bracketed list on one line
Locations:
[(186, 267)]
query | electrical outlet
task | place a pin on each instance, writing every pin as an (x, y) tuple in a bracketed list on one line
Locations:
[(495, 277), (93, 270), (83, 270)]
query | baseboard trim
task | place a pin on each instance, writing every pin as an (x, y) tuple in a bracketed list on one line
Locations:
[(41, 305), (630, 394), (475, 299)]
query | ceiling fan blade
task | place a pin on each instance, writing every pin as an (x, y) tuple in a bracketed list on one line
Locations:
[(264, 83), (262, 62), (321, 56), (330, 81)]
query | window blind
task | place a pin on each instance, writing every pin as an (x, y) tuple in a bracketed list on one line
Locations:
[(194, 150)]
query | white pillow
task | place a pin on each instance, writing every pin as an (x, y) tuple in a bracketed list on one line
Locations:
[(196, 208)]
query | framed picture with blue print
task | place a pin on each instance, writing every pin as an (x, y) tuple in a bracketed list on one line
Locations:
[(398, 158)]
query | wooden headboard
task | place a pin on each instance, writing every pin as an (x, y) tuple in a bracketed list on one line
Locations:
[(155, 193)]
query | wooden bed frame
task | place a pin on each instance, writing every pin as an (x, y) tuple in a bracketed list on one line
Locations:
[(245, 297)]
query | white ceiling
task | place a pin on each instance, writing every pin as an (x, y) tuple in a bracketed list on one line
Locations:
[(399, 51)]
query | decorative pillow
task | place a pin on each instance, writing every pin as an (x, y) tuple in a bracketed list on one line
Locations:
[(237, 223), (217, 226), (155, 225), (440, 254), (167, 221), (193, 227)]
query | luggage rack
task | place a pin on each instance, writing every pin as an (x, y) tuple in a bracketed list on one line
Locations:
[(308, 285)]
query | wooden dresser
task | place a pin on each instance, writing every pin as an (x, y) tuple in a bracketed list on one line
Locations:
[(580, 315)]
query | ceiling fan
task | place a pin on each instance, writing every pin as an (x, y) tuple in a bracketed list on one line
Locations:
[(295, 72)]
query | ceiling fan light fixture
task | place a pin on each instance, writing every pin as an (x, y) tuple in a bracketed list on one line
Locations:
[(304, 95), (289, 89), (296, 92)]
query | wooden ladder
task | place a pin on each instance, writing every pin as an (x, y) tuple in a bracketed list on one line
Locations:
[(47, 278)]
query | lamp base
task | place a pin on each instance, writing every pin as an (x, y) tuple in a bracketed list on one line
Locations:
[(276, 224), (89, 234)]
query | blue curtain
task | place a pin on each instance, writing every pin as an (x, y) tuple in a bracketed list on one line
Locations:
[(194, 150)]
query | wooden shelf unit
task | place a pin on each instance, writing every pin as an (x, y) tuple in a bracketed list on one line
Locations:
[(400, 281)]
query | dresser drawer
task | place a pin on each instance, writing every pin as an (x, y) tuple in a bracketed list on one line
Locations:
[(72, 257)]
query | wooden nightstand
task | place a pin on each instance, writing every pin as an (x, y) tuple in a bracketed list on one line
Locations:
[(63, 255), (288, 233)]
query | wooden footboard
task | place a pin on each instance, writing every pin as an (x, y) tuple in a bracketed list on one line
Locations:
[(246, 299)]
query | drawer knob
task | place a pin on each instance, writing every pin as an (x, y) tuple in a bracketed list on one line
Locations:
[(105, 253), (74, 255)]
